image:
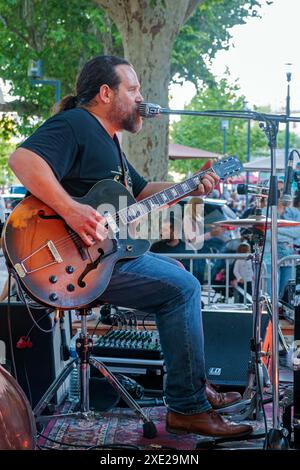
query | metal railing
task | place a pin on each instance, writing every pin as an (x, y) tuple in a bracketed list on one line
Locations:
[(209, 286)]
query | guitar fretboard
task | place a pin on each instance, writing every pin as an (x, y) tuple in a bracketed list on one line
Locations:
[(160, 199), (224, 168)]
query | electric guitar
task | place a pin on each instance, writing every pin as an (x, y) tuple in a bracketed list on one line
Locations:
[(54, 265)]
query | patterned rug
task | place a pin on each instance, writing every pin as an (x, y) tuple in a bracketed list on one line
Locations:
[(120, 426)]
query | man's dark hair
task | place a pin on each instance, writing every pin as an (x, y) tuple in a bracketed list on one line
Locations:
[(96, 72)]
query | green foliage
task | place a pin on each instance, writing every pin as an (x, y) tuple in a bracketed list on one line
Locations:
[(294, 140), (6, 175), (62, 34), (7, 130), (206, 32), (206, 133)]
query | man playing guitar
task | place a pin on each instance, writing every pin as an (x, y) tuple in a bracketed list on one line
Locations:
[(63, 159)]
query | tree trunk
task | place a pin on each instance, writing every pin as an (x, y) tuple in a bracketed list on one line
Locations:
[(148, 29)]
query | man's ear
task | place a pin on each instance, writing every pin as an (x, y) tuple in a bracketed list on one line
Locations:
[(105, 94)]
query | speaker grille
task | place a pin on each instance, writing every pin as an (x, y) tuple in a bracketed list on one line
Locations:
[(227, 345)]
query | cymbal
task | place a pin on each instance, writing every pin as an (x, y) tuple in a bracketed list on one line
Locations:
[(255, 221)]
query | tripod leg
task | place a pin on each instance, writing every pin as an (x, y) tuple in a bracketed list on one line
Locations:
[(149, 427), (84, 387), (53, 388)]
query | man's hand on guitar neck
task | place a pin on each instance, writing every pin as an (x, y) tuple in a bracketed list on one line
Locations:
[(208, 181), (86, 222)]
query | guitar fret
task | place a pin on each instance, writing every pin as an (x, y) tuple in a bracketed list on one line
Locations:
[(174, 192), (179, 189), (223, 168), (141, 209), (192, 184), (147, 204), (169, 194), (160, 198), (164, 196), (185, 187), (123, 217)]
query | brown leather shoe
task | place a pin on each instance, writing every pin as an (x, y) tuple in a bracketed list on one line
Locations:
[(209, 423), (220, 400)]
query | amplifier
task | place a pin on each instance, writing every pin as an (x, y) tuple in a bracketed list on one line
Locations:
[(36, 366), (227, 335)]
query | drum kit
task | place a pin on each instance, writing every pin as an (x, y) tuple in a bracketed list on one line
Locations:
[(256, 222), (255, 228), (256, 225)]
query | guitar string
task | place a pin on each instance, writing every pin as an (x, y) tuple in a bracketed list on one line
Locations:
[(73, 237)]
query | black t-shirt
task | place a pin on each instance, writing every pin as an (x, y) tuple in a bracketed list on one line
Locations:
[(81, 152)]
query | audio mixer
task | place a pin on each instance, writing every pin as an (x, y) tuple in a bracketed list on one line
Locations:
[(128, 343)]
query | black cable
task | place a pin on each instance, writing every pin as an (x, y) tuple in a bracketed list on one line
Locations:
[(33, 326), (143, 322), (10, 330), (96, 326), (22, 296), (27, 382)]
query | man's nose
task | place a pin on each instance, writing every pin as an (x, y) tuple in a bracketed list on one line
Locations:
[(139, 98)]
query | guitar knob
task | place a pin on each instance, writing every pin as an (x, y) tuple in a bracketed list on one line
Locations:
[(53, 296), (70, 287), (69, 269), (53, 279)]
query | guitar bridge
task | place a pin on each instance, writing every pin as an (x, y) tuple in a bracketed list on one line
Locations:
[(54, 252), (21, 269)]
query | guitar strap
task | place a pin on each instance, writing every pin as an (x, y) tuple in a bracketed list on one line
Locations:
[(127, 181)]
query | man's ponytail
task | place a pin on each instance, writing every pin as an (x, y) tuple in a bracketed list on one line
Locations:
[(67, 102)]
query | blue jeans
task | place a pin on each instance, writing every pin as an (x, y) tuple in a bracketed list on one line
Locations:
[(156, 284)]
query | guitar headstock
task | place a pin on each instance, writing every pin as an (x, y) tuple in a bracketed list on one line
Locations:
[(227, 167)]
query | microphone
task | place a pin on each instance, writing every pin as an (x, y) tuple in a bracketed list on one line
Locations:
[(289, 174), (252, 189), (151, 110)]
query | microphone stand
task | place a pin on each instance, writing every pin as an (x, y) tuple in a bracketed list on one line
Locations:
[(276, 438)]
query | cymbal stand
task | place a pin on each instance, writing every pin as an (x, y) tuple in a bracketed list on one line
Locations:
[(276, 438), (257, 372)]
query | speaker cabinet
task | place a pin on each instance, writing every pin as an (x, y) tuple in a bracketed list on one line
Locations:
[(227, 337), (39, 365)]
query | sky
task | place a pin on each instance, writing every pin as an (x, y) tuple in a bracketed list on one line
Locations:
[(257, 56)]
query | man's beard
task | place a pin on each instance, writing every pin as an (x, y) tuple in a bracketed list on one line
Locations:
[(130, 121)]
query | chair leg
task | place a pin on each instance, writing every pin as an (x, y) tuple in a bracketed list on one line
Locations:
[(148, 426)]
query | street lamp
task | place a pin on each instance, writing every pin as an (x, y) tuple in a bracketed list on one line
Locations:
[(36, 74), (246, 108), (224, 127), (288, 69)]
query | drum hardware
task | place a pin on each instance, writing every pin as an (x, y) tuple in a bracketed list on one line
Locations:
[(258, 374), (84, 346)]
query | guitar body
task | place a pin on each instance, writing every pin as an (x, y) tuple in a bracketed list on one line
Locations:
[(54, 266)]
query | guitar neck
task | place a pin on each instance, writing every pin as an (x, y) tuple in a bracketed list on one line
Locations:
[(161, 199), (224, 168)]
